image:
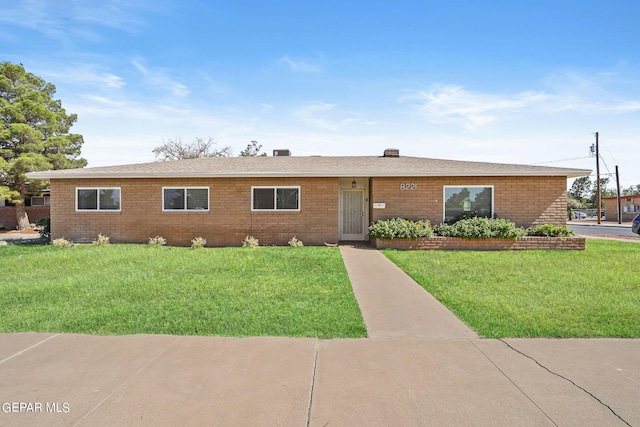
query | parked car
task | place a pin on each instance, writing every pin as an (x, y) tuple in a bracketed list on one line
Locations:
[(579, 214), (635, 225)]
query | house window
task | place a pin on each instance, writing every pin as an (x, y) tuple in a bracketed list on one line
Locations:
[(98, 199), (185, 198), (275, 198), (470, 200), (40, 201)]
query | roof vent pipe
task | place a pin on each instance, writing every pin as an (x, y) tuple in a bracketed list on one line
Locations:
[(391, 152)]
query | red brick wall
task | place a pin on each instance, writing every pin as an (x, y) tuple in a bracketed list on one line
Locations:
[(226, 224), (524, 200), (8, 215)]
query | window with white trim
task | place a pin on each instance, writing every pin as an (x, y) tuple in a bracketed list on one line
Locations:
[(97, 199), (185, 199), (40, 201), (471, 200), (275, 198)]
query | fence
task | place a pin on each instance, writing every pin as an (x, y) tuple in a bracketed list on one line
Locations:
[(578, 214)]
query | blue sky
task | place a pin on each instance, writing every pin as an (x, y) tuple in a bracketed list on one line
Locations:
[(503, 81)]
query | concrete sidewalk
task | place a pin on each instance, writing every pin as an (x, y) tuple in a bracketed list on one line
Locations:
[(151, 380), (420, 366)]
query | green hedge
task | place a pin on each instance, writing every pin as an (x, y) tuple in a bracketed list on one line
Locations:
[(550, 230), (399, 228), (481, 228), (470, 228)]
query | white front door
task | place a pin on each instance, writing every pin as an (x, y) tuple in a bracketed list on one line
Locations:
[(352, 215)]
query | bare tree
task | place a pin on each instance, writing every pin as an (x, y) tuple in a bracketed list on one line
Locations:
[(252, 150), (175, 149)]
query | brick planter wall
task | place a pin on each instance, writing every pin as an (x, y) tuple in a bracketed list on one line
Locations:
[(456, 243)]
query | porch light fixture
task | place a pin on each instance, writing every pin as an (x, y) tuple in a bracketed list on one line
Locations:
[(354, 184)]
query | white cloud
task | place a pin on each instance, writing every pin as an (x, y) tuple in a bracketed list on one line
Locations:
[(299, 66), (85, 74), (158, 77), (599, 94), (311, 114), (450, 103), (103, 100), (33, 14), (123, 15), (302, 65), (608, 106), (327, 117), (124, 129), (79, 19), (140, 67), (628, 106), (605, 92)]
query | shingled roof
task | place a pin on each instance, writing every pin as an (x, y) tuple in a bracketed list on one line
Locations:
[(313, 166)]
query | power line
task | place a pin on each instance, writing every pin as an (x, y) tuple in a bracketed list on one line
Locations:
[(614, 159), (605, 166), (563, 160)]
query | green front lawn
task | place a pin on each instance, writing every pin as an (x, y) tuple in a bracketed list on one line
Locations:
[(137, 289), (591, 293)]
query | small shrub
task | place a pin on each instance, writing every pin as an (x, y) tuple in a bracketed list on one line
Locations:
[(399, 228), (62, 242), (102, 240), (550, 230), (198, 242), (481, 228), (43, 226), (250, 242), (157, 241), (295, 243)]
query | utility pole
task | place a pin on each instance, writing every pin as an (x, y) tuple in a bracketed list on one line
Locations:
[(618, 188), (599, 194)]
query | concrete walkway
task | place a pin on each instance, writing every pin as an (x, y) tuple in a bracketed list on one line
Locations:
[(404, 375), (393, 305)]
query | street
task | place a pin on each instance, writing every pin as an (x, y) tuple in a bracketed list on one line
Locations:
[(602, 229)]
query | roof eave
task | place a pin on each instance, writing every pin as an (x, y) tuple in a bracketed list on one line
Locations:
[(573, 173)]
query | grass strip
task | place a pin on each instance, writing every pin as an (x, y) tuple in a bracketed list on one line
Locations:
[(591, 293), (138, 289)]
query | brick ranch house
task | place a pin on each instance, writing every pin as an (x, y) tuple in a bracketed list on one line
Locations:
[(319, 199)]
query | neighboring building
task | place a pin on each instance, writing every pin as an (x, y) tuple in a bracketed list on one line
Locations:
[(36, 206), (630, 207), (319, 199)]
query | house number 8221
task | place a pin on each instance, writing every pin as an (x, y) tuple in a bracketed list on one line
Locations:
[(409, 186)]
